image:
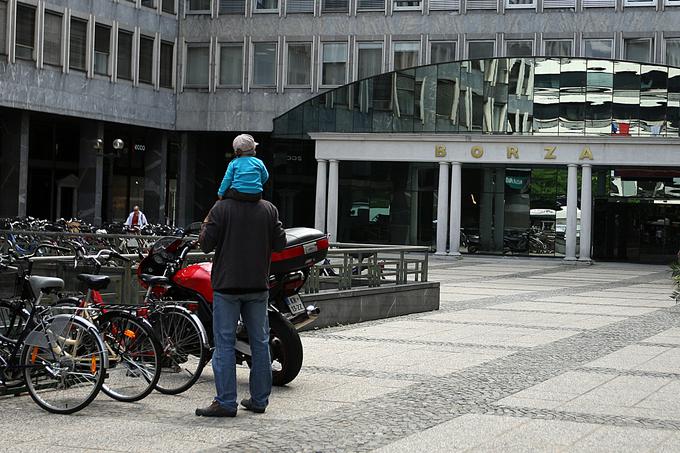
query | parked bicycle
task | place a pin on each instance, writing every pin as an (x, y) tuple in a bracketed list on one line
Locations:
[(60, 359), (179, 340), (134, 352)]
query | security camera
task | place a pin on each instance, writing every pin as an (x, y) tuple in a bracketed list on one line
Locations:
[(118, 144), (99, 144)]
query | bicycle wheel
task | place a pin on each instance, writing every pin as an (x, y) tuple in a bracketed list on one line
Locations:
[(65, 364), (184, 350), (134, 356)]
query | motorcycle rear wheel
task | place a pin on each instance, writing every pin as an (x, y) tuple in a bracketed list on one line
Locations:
[(285, 348)]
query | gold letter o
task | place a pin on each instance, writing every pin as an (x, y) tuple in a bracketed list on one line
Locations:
[(477, 152)]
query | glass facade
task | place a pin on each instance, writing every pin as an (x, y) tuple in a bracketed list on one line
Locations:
[(534, 96)]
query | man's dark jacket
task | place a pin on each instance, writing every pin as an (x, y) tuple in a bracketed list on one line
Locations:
[(243, 235)]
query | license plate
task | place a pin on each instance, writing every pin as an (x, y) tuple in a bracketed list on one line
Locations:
[(295, 304)]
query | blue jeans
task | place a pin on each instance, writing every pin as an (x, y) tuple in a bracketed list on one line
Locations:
[(253, 310)]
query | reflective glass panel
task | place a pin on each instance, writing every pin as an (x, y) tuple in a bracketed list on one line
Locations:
[(653, 98), (572, 96), (673, 108), (626, 98), (546, 96), (520, 95), (599, 91), (425, 99), (404, 105), (448, 97)]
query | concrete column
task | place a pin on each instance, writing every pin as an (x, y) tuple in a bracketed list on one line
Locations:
[(155, 173), (442, 208), (14, 167), (321, 194), (91, 171), (455, 210), (185, 182), (332, 214), (586, 212), (572, 200)]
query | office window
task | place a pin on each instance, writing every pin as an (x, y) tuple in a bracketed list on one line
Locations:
[(639, 2), (370, 5), (198, 5), (520, 4), (149, 3), (146, 59), (299, 64), (334, 70), (673, 52), (519, 48), (335, 6), (231, 65), (25, 32), (166, 64), (481, 49), (102, 49), (406, 5), (406, 54), (168, 6), (369, 59), (3, 27), (124, 55), (557, 48), (637, 49), (77, 44), (52, 39), (264, 64), (442, 51), (266, 5), (598, 48), (198, 60), (232, 6)]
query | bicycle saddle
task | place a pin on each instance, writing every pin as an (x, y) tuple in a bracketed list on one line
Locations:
[(154, 279), (44, 284), (95, 281)]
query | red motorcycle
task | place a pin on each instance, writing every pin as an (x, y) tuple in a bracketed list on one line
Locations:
[(289, 271)]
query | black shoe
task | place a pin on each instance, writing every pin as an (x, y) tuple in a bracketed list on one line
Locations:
[(248, 404), (215, 410)]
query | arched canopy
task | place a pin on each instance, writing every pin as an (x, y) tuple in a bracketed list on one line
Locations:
[(525, 96)]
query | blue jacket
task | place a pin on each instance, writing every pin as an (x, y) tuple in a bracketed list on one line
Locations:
[(247, 174)]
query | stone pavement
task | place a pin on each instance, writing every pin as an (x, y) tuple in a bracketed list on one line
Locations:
[(524, 355)]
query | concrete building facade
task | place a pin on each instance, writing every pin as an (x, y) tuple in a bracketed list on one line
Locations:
[(175, 80)]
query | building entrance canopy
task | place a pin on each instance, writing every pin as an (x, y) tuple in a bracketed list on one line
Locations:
[(521, 96)]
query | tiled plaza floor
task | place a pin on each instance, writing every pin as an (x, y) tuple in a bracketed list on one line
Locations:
[(524, 355)]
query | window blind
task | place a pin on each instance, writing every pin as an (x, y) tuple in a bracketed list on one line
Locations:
[(124, 55), (52, 43), (146, 59), (78, 39)]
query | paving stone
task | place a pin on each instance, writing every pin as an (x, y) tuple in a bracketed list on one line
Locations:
[(540, 357)]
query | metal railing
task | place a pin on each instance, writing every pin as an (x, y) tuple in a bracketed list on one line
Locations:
[(347, 266)]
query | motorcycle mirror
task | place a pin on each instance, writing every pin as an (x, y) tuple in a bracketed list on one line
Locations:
[(192, 228)]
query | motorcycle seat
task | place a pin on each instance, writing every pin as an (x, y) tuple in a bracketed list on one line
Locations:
[(95, 281), (297, 236), (154, 279), (44, 284)]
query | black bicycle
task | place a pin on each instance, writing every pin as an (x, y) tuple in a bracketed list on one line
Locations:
[(60, 359)]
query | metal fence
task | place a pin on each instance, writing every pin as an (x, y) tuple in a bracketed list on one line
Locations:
[(348, 265)]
